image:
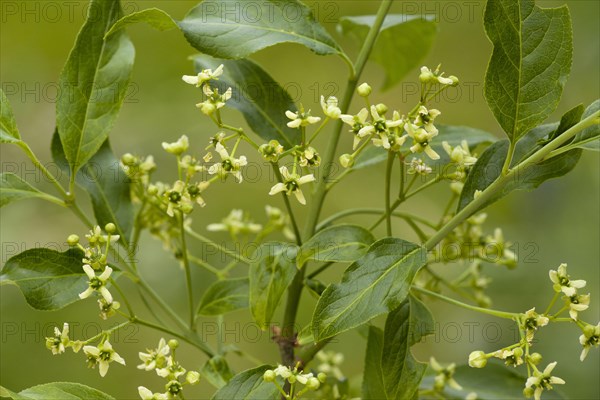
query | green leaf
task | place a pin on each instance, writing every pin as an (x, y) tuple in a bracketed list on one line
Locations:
[(493, 382), (55, 391), (453, 134), (216, 371), (8, 127), (107, 185), (257, 96), (271, 271), (404, 327), (589, 138), (248, 385), (402, 44), (13, 188), (221, 28), (156, 18), (373, 387), (375, 284), (48, 279), (93, 84), (224, 296), (489, 166), (339, 243), (530, 63)]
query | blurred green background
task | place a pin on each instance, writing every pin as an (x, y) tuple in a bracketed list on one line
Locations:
[(557, 223)]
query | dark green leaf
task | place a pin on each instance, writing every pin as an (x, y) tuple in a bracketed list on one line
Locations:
[(530, 63), (216, 371), (248, 385), (93, 84), (156, 18), (224, 29), (404, 327), (403, 42), (8, 127), (107, 185), (339, 243), (13, 188), (495, 381), (589, 138), (224, 296), (48, 279), (372, 386), (452, 134), (272, 269), (489, 167), (56, 391), (373, 285), (257, 96)]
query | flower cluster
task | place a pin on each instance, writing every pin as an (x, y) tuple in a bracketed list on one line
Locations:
[(95, 266), (61, 341), (162, 360), (294, 377)]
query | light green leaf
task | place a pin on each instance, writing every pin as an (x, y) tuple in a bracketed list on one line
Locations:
[(248, 385), (93, 84), (216, 371), (48, 279), (489, 166), (373, 285), (13, 188), (224, 296), (257, 96), (107, 185), (530, 63), (8, 127), (156, 18), (493, 382), (272, 269), (372, 385), (339, 243), (55, 391), (589, 138), (404, 327), (214, 29), (453, 134), (403, 42)]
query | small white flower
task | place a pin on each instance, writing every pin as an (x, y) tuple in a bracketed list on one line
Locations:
[(421, 140), (172, 370), (146, 394), (291, 184), (192, 377), (444, 376), (228, 164), (578, 303), (271, 151), (330, 107), (102, 355), (178, 147), (418, 166), (512, 357), (283, 371), (532, 321), (97, 283), (541, 381), (204, 76), (309, 158), (357, 122), (59, 341), (562, 281), (177, 198), (460, 155), (214, 100), (155, 358), (235, 223), (300, 118), (589, 338)]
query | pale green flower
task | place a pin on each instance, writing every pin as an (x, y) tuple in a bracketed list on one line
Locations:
[(562, 281), (178, 147), (541, 381), (291, 184), (102, 356), (589, 338), (97, 283), (204, 76)]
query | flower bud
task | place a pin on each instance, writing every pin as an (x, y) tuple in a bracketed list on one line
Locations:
[(477, 359), (518, 352), (322, 377), (381, 108), (426, 75), (535, 358), (110, 228), (72, 240), (173, 344), (128, 159), (346, 160), (454, 80), (313, 383), (269, 376), (528, 392), (192, 377), (364, 90)]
